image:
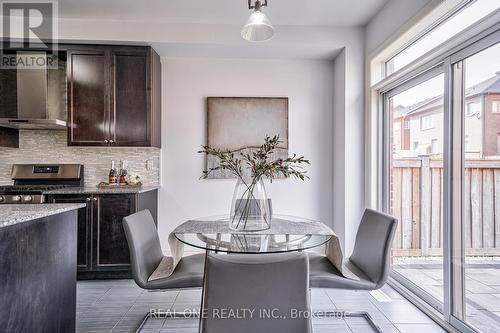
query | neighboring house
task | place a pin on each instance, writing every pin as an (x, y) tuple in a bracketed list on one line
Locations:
[(401, 129), (486, 95), (426, 126), (418, 129)]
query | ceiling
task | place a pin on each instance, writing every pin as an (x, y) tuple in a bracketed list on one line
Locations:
[(281, 12)]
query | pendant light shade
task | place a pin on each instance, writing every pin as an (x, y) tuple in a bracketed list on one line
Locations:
[(258, 27)]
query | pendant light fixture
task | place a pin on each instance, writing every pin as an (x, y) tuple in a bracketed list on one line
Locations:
[(258, 27)]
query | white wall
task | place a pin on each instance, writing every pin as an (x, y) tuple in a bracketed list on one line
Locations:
[(354, 141), (389, 20), (348, 126), (188, 81), (339, 146)]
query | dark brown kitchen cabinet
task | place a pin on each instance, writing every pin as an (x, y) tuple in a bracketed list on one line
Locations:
[(130, 107), (102, 249), (8, 92), (9, 137), (88, 116), (122, 104), (84, 231), (109, 246)]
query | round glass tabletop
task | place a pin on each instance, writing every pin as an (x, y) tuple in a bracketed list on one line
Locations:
[(287, 234)]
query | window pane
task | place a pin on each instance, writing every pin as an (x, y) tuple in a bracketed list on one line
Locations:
[(416, 178), (495, 106), (451, 27), (481, 196), (473, 108)]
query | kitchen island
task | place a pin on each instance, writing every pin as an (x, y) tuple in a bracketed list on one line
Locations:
[(38, 267)]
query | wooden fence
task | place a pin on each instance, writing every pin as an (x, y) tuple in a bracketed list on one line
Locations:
[(416, 200)]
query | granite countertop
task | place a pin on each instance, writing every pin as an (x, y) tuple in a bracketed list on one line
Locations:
[(87, 190), (11, 214)]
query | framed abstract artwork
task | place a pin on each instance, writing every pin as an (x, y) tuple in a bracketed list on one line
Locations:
[(240, 124)]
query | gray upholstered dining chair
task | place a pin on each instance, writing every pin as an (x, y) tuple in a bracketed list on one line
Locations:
[(278, 281), (149, 264), (370, 260)]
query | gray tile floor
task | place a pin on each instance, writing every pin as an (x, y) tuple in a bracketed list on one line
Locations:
[(482, 286), (119, 306)]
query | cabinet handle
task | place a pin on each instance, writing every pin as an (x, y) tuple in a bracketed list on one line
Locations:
[(106, 140)]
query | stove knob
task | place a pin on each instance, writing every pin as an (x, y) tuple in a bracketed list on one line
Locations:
[(27, 198), (16, 198), (2, 199)]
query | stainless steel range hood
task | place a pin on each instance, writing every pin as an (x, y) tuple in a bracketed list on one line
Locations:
[(52, 124), (40, 101)]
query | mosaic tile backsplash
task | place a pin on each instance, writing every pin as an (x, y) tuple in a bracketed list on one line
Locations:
[(48, 146)]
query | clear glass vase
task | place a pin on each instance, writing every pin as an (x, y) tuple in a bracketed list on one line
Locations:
[(251, 208)]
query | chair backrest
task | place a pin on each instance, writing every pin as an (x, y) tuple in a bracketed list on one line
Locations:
[(372, 249), (260, 283), (144, 245)]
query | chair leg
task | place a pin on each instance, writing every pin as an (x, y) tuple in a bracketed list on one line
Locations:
[(157, 314), (348, 314)]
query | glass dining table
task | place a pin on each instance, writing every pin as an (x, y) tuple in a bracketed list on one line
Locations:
[(286, 234)]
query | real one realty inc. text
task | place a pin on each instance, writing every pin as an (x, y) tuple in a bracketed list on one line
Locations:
[(246, 313)]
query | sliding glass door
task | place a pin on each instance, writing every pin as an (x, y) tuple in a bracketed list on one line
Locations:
[(441, 180), (416, 181), (479, 103)]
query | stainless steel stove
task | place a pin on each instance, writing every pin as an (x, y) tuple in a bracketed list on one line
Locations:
[(32, 180)]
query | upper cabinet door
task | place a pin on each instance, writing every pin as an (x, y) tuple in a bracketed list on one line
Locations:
[(88, 100), (130, 111)]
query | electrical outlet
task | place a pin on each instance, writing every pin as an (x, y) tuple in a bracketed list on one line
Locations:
[(149, 164)]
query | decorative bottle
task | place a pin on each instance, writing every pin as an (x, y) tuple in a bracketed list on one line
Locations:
[(112, 179), (123, 172)]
